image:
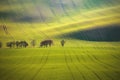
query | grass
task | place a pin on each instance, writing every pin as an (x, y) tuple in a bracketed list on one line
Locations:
[(89, 62)]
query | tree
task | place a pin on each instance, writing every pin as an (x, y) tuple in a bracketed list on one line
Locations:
[(0, 44), (62, 43), (33, 43)]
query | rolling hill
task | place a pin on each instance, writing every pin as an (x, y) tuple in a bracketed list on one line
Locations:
[(104, 33), (43, 19), (48, 10)]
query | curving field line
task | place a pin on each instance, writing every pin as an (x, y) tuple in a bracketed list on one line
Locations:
[(75, 65), (91, 69), (45, 59), (80, 64), (68, 66), (106, 67), (77, 68), (17, 68), (41, 59)]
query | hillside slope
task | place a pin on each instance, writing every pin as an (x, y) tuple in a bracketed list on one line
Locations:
[(48, 10), (24, 19), (104, 33)]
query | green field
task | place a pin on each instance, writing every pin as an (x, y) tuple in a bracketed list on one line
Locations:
[(86, 61), (91, 29)]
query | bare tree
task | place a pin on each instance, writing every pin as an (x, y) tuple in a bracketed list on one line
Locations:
[(0, 44), (33, 43), (62, 43)]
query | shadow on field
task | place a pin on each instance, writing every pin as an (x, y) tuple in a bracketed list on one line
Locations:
[(7, 14), (104, 33), (18, 17)]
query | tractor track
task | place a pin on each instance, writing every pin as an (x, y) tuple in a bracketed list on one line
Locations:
[(101, 64), (94, 60), (73, 78), (91, 71), (42, 65), (116, 57), (22, 78), (76, 67), (15, 69), (87, 67), (104, 62)]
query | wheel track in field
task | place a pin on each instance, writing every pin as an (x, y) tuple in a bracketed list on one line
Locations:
[(73, 78), (116, 57), (98, 77), (91, 70), (103, 62), (83, 77), (22, 78), (99, 63), (15, 68), (11, 70), (97, 74), (77, 67), (94, 60), (42, 66)]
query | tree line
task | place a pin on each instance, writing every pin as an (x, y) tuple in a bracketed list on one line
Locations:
[(24, 44)]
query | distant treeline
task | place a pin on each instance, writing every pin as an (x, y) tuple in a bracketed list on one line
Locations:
[(15, 44), (24, 44), (0, 44)]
